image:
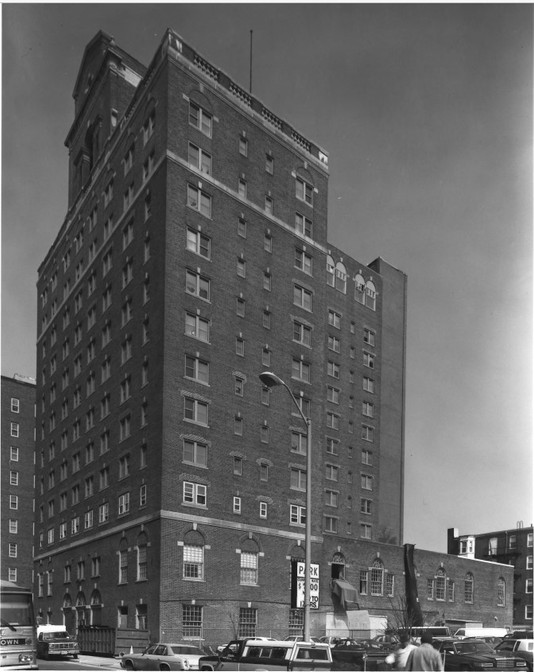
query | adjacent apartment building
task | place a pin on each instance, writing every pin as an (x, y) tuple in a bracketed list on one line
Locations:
[(17, 478), (194, 255), (512, 547)]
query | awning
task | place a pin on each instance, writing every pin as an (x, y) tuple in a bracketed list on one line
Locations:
[(346, 594)]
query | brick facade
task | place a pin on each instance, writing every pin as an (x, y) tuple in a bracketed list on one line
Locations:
[(194, 256)]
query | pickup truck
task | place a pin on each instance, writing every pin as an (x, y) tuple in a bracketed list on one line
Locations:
[(256, 654), (54, 640)]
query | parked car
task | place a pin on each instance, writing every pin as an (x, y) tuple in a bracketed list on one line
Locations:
[(299, 638), (164, 656), (328, 639), (476, 655), (352, 654), (222, 647), (519, 647)]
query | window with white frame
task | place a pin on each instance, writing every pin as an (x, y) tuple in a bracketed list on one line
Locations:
[(302, 297), (198, 243), (302, 333), (196, 410), (237, 505), (303, 261), (195, 494), (303, 225), (299, 442), (200, 119), (195, 452), (197, 327), (303, 191), (199, 158), (199, 200), (297, 515), (193, 563)]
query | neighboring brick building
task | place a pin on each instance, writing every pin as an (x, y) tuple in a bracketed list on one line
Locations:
[(194, 255), (510, 547), (18, 473)]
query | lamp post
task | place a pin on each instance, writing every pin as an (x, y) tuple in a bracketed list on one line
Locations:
[(270, 379)]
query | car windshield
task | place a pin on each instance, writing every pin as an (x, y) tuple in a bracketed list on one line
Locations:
[(181, 649), (473, 647)]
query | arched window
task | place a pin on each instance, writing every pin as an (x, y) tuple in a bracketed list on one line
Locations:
[(330, 272), (96, 608), (377, 577), (370, 295), (359, 290), (341, 278), (441, 581), (193, 564), (469, 588), (123, 561), (249, 563), (501, 592), (67, 601)]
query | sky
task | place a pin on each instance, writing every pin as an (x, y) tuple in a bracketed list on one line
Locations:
[(425, 111)]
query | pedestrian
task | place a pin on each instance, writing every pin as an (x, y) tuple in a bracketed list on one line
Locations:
[(399, 657), (425, 657)]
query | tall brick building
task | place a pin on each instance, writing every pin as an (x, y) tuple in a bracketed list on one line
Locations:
[(18, 470), (193, 256)]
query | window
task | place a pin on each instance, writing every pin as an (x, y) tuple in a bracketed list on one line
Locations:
[(243, 146), (13, 526), (197, 285), (103, 513), (124, 466), (13, 550), (303, 191), (197, 369), (88, 519), (297, 479), (468, 588), (301, 370), (247, 622), (266, 319), (192, 621), (331, 498), (95, 566), (367, 409), (242, 188), (241, 268), (268, 242), (364, 581), (334, 319), (332, 420), (366, 482), (14, 453), (263, 509), (297, 515), (368, 336), (199, 159), (200, 118), (366, 456), (303, 225), (194, 494), (196, 411), (330, 524), (238, 466), (124, 503), (366, 531), (501, 592), (302, 297), (237, 505), (240, 307), (249, 568), (199, 200), (332, 394), (269, 164), (366, 506), (334, 343), (368, 384), (15, 405), (302, 333), (269, 205), (440, 584), (197, 327), (331, 472), (198, 243), (303, 261), (148, 127), (240, 346), (193, 564), (332, 445), (14, 429), (298, 442), (195, 452), (368, 433), (123, 566), (267, 281), (143, 495), (333, 370)]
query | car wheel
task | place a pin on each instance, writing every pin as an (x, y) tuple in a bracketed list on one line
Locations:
[(128, 665), (164, 666)]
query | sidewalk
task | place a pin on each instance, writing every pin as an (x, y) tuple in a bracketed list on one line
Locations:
[(102, 662)]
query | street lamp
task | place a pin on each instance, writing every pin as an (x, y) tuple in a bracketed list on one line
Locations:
[(270, 379)]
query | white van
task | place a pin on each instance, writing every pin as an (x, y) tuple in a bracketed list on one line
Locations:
[(462, 633)]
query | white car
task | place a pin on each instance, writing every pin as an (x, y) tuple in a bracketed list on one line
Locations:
[(164, 656)]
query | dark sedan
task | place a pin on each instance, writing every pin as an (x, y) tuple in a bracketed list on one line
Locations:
[(476, 655)]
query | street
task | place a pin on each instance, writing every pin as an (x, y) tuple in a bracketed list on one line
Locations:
[(82, 663)]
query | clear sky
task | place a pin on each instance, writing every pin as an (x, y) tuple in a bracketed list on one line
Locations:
[(426, 113)]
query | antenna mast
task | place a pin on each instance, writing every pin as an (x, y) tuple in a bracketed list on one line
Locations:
[(250, 80)]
